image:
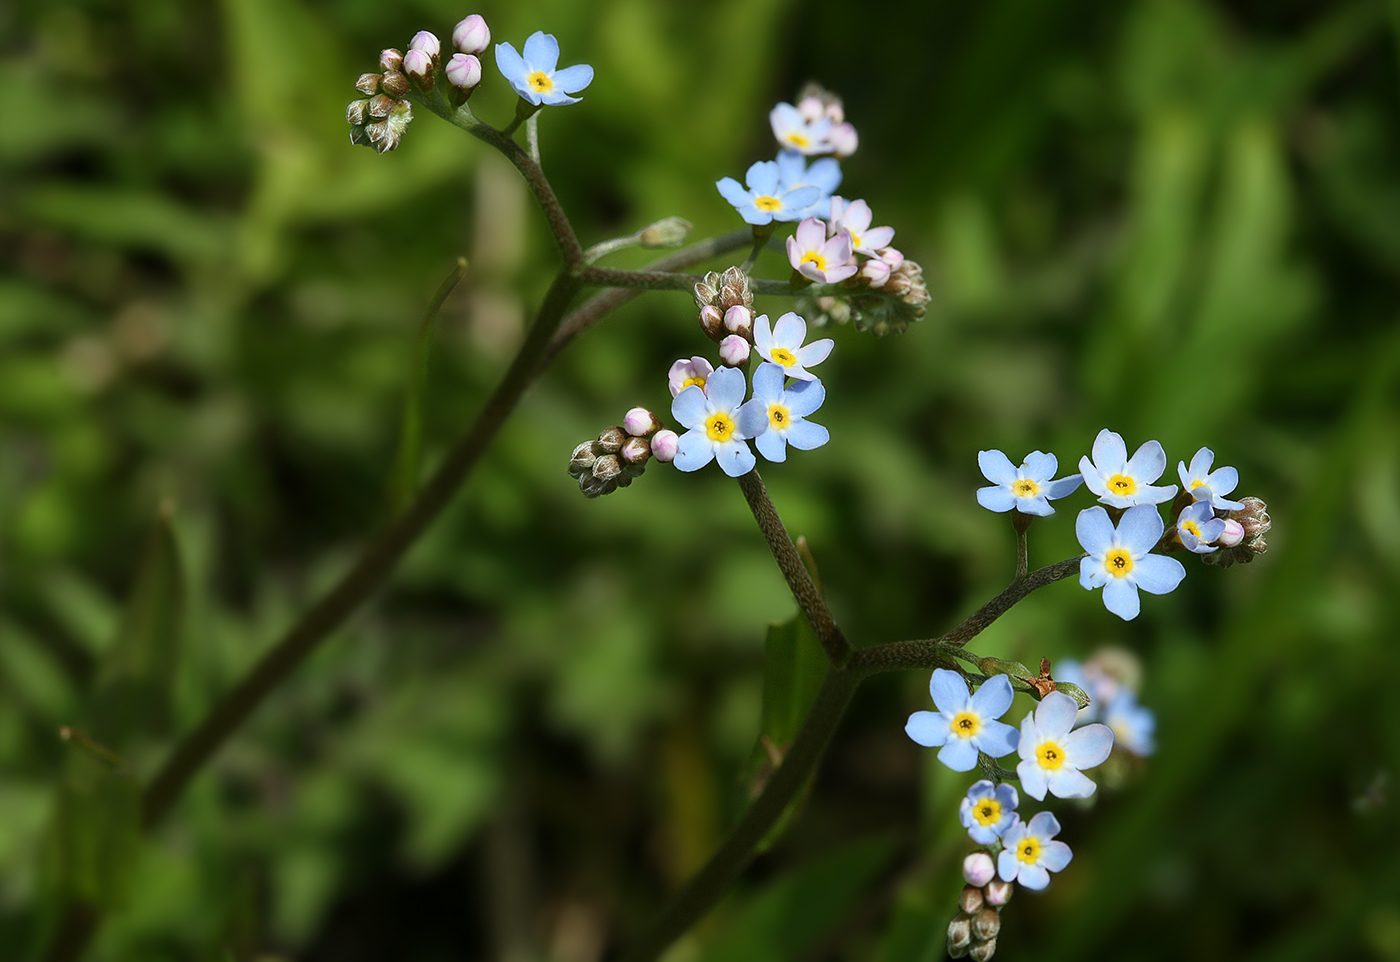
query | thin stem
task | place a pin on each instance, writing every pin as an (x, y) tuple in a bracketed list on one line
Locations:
[(737, 850), (799, 579), (933, 652), (1022, 557), (665, 281), (532, 137)]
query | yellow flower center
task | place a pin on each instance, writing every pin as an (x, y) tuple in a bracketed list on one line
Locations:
[(779, 417), (1197, 484), (1192, 527), (697, 380), (719, 427), (540, 82), (768, 203), (855, 238), (1025, 488), (966, 724), (1118, 563), (783, 356), (987, 811), (812, 257), (1121, 484), (1050, 755), (1029, 850), (799, 141)]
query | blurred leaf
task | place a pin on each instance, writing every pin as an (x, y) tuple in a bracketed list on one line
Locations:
[(96, 841), (135, 686), (793, 914)]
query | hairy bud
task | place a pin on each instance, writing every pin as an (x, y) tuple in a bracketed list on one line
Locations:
[(667, 232), (959, 936), (390, 59), (395, 84), (711, 322), (734, 350), (707, 290), (978, 869), (998, 893), (368, 84), (970, 899), (641, 423), (664, 445), (612, 440), (986, 923), (983, 951)]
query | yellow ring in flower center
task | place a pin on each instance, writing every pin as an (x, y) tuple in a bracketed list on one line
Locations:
[(987, 811), (719, 427), (1121, 484), (779, 417), (798, 140), (697, 380), (1050, 755), (540, 81), (1025, 488), (783, 356), (966, 724), (1029, 851), (768, 203), (1118, 563), (812, 257)]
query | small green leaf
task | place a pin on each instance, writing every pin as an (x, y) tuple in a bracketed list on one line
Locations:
[(96, 837)]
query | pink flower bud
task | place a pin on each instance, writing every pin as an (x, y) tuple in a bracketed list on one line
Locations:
[(635, 451), (739, 320), (811, 109), (734, 350), (463, 71), (426, 42), (664, 444), (390, 59), (418, 64), (978, 869), (711, 322), (999, 892), (1232, 535), (471, 35), (640, 423), (843, 140), (892, 257), (875, 272)]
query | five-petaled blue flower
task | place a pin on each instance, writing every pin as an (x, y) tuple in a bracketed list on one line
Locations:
[(988, 810), (534, 75), (964, 724), (1121, 482), (1027, 488), (1120, 560), (1198, 527), (1052, 755), (1029, 855), (775, 416), (1133, 724), (712, 415), (1207, 485), (767, 199), (824, 174)]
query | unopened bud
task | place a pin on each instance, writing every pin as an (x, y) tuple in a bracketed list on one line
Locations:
[(970, 898), (978, 869), (811, 108), (1232, 535), (611, 440), (418, 64), (982, 951), (959, 936), (664, 444), (471, 35), (607, 467), (707, 290), (356, 112), (739, 320), (711, 321), (998, 893), (635, 451), (986, 924), (875, 272), (893, 257), (734, 350), (380, 106), (582, 459), (390, 59), (395, 84), (641, 423), (368, 84), (427, 42), (843, 140), (1254, 516), (667, 232), (734, 289), (463, 71)]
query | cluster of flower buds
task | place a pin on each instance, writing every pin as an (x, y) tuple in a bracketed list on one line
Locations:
[(726, 314), (380, 119), (900, 301), (816, 126), (973, 931), (1243, 535), (620, 453)]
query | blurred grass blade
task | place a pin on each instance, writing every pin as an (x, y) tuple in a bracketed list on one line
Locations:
[(96, 839), (136, 683), (408, 462)]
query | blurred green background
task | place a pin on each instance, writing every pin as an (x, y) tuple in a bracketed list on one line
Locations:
[(1174, 218)]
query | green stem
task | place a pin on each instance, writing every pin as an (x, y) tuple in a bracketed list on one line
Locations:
[(799, 579)]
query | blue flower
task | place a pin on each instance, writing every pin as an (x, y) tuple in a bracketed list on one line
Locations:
[(1198, 527), (1029, 855), (1133, 725), (964, 724), (1120, 482), (534, 76), (774, 416), (711, 414), (988, 810), (1027, 488), (782, 345), (766, 199), (1207, 485), (824, 174), (1120, 561), (1052, 755)]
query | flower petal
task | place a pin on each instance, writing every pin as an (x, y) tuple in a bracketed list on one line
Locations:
[(510, 64), (772, 444), (804, 397), (1055, 715), (1147, 463), (762, 177), (959, 754), (993, 698), (928, 728), (542, 51), (1120, 597), (996, 467), (693, 451), (1110, 453), (1040, 467), (573, 79), (691, 407), (1055, 490), (1054, 856), (806, 435), (762, 335), (726, 388), (1157, 574), (996, 498), (1069, 783), (1032, 777), (1094, 530), (1088, 746), (731, 190), (790, 331), (1139, 529), (997, 738), (949, 691), (735, 458)]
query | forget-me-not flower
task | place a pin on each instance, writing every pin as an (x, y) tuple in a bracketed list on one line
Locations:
[(1052, 755), (1198, 527), (824, 174), (796, 131), (776, 416), (1207, 485), (826, 260), (856, 217), (965, 724), (1027, 488), (1029, 854), (1121, 482), (987, 810), (782, 345), (684, 373), (1120, 559), (1133, 724), (766, 199), (712, 415), (534, 74)]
